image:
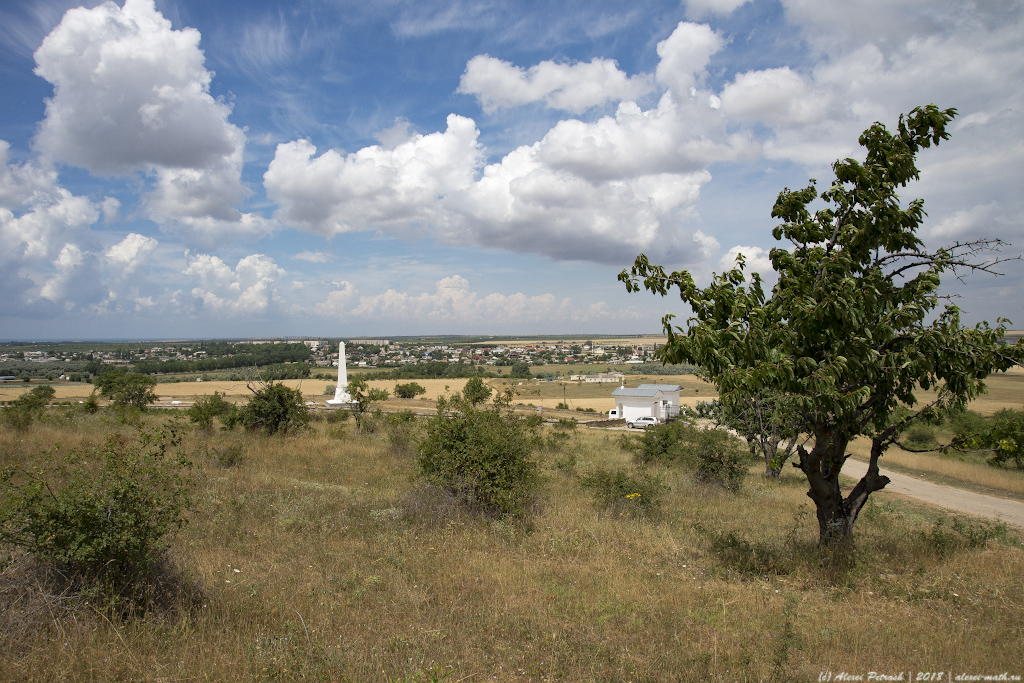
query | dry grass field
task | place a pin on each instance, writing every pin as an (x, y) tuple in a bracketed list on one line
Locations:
[(316, 557)]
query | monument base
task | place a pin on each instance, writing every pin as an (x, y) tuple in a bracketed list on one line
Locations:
[(341, 399), (331, 403)]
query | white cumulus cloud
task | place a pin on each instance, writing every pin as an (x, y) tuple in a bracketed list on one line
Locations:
[(453, 301), (374, 187), (498, 84), (132, 94), (587, 190), (250, 287)]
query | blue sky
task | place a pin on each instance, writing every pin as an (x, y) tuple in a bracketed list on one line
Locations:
[(177, 169)]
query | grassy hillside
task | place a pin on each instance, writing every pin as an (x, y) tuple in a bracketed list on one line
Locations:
[(318, 557)]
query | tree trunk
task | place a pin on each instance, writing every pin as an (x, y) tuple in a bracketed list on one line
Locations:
[(822, 465)]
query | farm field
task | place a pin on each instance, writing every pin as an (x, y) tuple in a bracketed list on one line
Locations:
[(317, 556)]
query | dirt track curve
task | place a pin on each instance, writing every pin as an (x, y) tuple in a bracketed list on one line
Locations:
[(1001, 509)]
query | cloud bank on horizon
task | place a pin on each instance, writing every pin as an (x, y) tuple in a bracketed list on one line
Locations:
[(418, 168)]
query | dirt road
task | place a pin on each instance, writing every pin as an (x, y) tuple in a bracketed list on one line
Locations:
[(1002, 509)]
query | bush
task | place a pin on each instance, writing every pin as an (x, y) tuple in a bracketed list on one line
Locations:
[(479, 456), (715, 456), (103, 513), (625, 494), (274, 408), (410, 390), (25, 409), (920, 437), (206, 408)]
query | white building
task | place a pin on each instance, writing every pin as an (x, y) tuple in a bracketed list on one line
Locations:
[(657, 400)]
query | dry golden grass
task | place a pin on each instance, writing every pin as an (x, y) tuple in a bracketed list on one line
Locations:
[(316, 561)]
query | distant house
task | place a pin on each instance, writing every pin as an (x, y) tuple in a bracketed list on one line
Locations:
[(657, 400)]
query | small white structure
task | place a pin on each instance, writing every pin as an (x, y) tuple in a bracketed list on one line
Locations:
[(341, 395), (657, 400)]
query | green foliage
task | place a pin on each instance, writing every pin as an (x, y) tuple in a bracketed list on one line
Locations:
[(377, 394), (224, 355), (480, 456), (625, 494), (274, 408), (850, 332), (102, 512), (409, 390), (206, 408), (476, 391), (363, 396), (520, 369), (966, 423), (329, 389), (128, 390), (719, 459), (229, 456), (24, 410), (1003, 435), (920, 437), (714, 455)]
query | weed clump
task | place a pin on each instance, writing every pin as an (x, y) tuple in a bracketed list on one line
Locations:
[(624, 494)]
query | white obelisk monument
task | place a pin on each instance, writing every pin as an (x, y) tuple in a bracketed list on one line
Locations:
[(341, 395)]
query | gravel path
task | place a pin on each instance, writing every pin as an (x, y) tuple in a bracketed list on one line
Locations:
[(1002, 509)]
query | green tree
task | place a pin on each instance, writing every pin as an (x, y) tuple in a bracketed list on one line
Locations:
[(1003, 435), (764, 419), (363, 396), (127, 389), (409, 390), (520, 369), (274, 408), (845, 334), (476, 391)]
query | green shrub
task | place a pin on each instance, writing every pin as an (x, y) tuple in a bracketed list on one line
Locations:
[(720, 459), (757, 557), (480, 456), (920, 436), (102, 513), (274, 408), (229, 456), (24, 410), (401, 429), (206, 408), (715, 456), (625, 494), (336, 416), (410, 390)]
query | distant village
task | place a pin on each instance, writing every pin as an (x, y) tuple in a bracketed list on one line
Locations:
[(363, 353)]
